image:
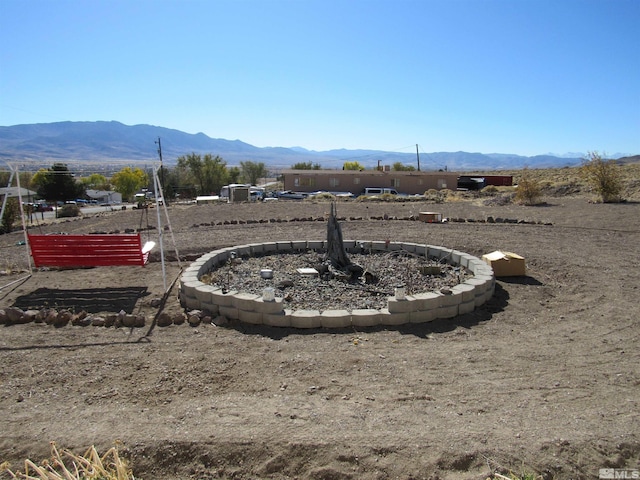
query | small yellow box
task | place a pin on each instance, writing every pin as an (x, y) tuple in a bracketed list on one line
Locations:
[(505, 264)]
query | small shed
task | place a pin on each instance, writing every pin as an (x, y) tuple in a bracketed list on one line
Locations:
[(239, 194)]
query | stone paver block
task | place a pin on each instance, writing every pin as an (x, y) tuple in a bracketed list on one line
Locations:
[(203, 292), (436, 251), (306, 319), (284, 246), (427, 300), (211, 308), (254, 318), (316, 244), (335, 319), (189, 288), (447, 312), (281, 319), (423, 316), (274, 306), (467, 291), (190, 303), (402, 306), (223, 299), (299, 244), (388, 318), (366, 317), (453, 299), (270, 247), (230, 312), (256, 249), (245, 301), (466, 307), (244, 250), (413, 248)]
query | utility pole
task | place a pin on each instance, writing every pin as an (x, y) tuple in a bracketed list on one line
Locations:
[(418, 155), (161, 168)]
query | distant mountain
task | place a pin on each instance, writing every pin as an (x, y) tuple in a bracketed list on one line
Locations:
[(113, 141)]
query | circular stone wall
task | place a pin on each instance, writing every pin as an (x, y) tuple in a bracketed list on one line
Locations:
[(417, 308)]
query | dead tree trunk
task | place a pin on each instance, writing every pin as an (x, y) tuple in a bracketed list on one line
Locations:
[(336, 253)]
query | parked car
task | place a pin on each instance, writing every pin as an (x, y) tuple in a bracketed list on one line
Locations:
[(43, 207), (379, 191), (291, 195)]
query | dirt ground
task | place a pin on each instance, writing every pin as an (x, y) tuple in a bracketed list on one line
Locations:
[(544, 378)]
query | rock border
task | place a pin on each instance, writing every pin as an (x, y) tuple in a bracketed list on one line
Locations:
[(252, 309)]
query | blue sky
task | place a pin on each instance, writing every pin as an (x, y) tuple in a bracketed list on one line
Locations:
[(509, 76)]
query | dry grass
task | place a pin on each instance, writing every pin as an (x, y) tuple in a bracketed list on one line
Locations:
[(571, 181), (65, 465)]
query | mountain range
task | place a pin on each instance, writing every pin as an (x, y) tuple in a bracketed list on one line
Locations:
[(112, 141)]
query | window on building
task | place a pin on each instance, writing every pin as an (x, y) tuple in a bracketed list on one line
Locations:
[(442, 183), (334, 182), (356, 180), (395, 182), (296, 182), (307, 182)]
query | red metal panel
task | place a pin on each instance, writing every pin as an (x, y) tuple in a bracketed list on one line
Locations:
[(86, 250)]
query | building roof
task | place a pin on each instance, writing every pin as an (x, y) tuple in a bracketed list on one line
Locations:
[(367, 172), (13, 192)]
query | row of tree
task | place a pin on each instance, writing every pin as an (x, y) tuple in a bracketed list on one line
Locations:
[(204, 175), (355, 165), (193, 175)]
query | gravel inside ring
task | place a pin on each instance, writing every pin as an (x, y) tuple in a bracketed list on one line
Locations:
[(310, 292)]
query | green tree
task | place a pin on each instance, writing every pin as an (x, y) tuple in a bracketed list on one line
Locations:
[(209, 174), (400, 167), (11, 215), (4, 178), (169, 181), (128, 181), (306, 166), (191, 168), (215, 173), (234, 175), (252, 171), (96, 181), (604, 177), (352, 166), (57, 184)]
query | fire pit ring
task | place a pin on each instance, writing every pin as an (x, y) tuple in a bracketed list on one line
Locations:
[(417, 308)]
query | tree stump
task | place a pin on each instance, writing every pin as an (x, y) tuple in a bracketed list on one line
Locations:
[(336, 254)]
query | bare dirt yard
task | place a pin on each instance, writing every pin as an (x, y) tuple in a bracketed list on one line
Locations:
[(543, 379)]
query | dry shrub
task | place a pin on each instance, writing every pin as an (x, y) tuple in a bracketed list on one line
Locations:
[(324, 196), (529, 190), (385, 197), (561, 189), (603, 176), (454, 197), (435, 196), (499, 200), (69, 210), (65, 465)]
